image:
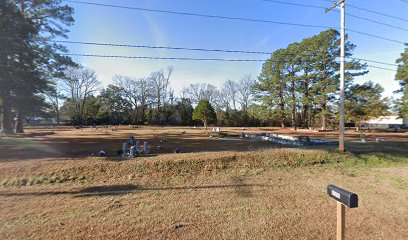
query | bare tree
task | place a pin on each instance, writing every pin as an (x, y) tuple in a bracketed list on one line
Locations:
[(221, 100), (160, 82), (53, 96), (230, 88), (80, 83), (128, 87), (200, 91), (245, 86)]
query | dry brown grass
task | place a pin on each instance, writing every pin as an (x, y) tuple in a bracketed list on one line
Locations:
[(270, 193)]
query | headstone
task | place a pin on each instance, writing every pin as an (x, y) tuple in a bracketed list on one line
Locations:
[(132, 152), (138, 146), (146, 148), (124, 149), (217, 129), (102, 153), (131, 139)]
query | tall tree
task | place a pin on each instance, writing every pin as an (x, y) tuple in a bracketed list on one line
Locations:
[(200, 91), (230, 89), (27, 55), (402, 78), (272, 85), (244, 87), (365, 102), (80, 83), (160, 81)]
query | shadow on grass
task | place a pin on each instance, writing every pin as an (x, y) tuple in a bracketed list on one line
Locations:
[(380, 149), (117, 190)]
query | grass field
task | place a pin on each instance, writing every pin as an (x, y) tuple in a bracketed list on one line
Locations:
[(219, 188)]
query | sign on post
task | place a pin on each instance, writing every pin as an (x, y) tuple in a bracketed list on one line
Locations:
[(343, 198)]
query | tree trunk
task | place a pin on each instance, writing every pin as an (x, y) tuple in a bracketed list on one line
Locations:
[(324, 119), (293, 105), (7, 118), (205, 124), (57, 112), (282, 108), (19, 123)]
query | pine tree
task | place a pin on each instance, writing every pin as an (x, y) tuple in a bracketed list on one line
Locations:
[(29, 60), (402, 78), (204, 112), (364, 102)]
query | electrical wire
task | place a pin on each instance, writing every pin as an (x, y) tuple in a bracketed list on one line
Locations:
[(188, 59), (336, 10), (195, 49), (229, 18)]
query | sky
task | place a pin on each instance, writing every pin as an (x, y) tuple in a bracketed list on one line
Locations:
[(124, 26)]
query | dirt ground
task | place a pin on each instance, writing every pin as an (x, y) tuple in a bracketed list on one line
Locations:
[(219, 188), (39, 143)]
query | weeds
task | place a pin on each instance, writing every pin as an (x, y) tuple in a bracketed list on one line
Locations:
[(39, 180)]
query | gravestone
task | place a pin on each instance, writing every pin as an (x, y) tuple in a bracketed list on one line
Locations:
[(132, 152), (146, 148), (124, 149), (138, 146)]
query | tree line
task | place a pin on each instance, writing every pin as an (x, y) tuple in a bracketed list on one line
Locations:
[(147, 100), (297, 87)]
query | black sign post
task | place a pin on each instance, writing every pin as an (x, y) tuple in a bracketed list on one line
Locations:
[(343, 198)]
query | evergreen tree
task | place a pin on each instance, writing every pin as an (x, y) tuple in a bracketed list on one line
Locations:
[(272, 85), (204, 112), (28, 59), (402, 78), (365, 102)]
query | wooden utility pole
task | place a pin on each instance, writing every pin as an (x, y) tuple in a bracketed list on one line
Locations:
[(342, 4)]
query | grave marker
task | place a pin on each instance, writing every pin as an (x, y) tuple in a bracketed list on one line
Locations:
[(146, 148), (124, 149), (132, 152)]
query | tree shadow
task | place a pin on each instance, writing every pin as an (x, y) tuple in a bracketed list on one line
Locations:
[(240, 191), (114, 190)]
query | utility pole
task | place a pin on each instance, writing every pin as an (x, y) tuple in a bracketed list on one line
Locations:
[(342, 4)]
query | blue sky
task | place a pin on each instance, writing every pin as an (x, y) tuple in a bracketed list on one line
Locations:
[(112, 25)]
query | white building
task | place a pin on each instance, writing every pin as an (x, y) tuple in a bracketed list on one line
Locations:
[(386, 122)]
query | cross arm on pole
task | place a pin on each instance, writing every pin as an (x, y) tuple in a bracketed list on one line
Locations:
[(334, 6)]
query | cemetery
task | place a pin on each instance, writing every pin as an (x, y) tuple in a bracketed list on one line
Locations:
[(171, 182)]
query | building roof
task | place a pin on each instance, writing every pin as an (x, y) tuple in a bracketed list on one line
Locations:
[(394, 119)]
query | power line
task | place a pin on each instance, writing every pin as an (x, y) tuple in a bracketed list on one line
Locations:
[(199, 14), (199, 49), (374, 12), (165, 58), (228, 18), (374, 36), (188, 59), (347, 14), (195, 49)]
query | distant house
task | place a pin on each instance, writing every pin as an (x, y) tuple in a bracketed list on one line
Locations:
[(386, 122)]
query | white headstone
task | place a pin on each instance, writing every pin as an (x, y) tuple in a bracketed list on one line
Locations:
[(124, 149), (146, 148), (137, 145), (132, 152)]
